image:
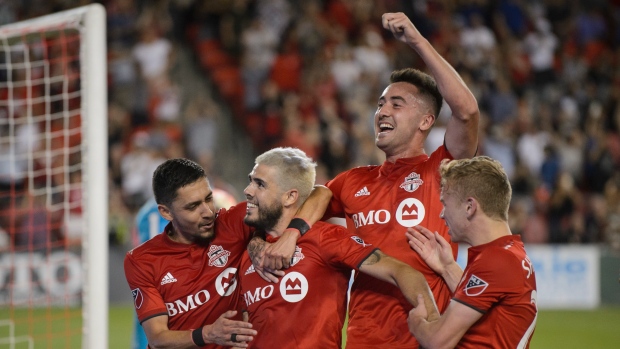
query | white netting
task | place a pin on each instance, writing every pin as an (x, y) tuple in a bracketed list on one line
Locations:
[(43, 177)]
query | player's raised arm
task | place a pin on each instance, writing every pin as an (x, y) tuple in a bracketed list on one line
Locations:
[(461, 137)]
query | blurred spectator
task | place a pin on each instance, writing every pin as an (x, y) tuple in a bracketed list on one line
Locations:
[(564, 219), (200, 131), (540, 45), (545, 73), (137, 167)]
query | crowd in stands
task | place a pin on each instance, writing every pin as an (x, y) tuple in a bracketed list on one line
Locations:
[(308, 74)]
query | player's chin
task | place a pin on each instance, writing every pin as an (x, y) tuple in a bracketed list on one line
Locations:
[(207, 233)]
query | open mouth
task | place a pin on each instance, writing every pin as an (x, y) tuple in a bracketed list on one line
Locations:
[(384, 127)]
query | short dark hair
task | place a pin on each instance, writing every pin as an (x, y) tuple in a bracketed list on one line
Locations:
[(425, 84), (172, 175)]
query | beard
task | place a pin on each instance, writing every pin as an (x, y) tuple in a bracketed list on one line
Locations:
[(268, 217)]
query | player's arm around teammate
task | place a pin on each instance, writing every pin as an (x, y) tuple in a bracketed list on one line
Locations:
[(410, 281), (273, 257), (219, 332)]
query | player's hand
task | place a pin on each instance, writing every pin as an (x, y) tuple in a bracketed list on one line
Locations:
[(222, 330), (417, 314), (279, 254), (432, 247), (269, 275), (246, 318), (401, 27)]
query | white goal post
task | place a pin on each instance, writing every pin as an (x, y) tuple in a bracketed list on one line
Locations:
[(54, 106)]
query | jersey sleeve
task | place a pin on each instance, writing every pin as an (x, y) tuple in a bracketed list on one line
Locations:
[(486, 281), (232, 221), (341, 248), (147, 300), (336, 207)]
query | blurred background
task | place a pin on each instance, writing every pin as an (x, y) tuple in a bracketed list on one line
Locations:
[(220, 81)]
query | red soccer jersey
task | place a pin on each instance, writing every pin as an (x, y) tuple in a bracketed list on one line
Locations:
[(307, 307), (192, 284), (379, 204), (499, 282)]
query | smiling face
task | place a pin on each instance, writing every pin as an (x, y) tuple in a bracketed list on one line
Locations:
[(264, 196), (192, 213), (400, 114)]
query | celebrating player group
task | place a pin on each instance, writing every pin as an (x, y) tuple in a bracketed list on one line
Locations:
[(269, 273)]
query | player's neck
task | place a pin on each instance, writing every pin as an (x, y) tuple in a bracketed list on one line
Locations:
[(407, 153), (283, 222), (489, 231)]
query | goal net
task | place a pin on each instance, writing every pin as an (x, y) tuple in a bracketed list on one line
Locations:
[(53, 181)]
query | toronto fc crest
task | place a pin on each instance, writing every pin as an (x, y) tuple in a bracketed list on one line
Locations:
[(412, 182), (297, 256), (218, 256)]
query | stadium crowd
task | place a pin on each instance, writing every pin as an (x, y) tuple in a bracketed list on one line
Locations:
[(307, 74)]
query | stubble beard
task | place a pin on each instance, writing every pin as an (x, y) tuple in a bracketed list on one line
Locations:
[(268, 217)]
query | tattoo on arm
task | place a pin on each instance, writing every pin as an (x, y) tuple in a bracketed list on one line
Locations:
[(255, 249), (374, 258)]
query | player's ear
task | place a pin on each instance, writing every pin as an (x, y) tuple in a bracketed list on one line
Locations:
[(427, 122), (472, 207), (164, 211), (291, 197)]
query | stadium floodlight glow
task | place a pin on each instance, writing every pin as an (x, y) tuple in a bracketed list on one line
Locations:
[(53, 169)]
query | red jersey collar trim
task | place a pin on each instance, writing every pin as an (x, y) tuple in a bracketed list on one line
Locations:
[(499, 241)]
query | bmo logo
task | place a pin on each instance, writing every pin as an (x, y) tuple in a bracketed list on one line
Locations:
[(192, 301), (293, 287), (410, 212), (226, 282), (259, 294)]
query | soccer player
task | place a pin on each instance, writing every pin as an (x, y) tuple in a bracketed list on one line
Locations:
[(381, 202), (314, 287), (183, 280), (494, 303), (150, 223)]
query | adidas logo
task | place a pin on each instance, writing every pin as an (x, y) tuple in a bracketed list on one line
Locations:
[(250, 270), (362, 192), (168, 278)]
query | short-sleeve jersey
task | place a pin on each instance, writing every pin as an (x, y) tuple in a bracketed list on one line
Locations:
[(306, 309), (379, 204), (192, 284), (149, 223), (499, 282)]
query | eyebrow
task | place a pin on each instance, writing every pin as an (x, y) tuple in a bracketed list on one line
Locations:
[(189, 204), (256, 180), (382, 98)]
